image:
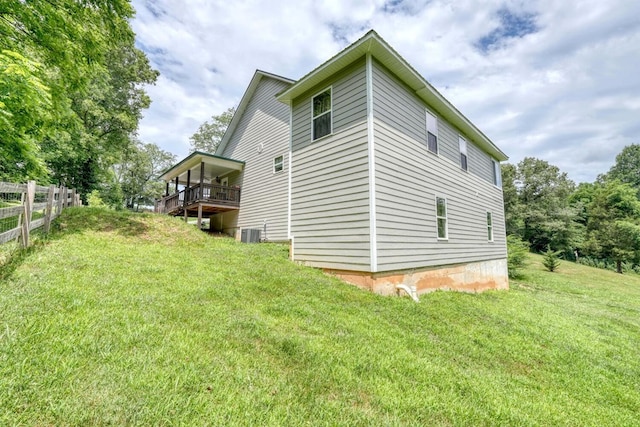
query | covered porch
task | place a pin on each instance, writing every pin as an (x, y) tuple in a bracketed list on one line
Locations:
[(198, 186)]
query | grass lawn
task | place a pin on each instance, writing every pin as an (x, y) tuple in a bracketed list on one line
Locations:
[(136, 319)]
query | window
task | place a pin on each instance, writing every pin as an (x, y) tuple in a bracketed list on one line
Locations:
[(321, 105), (278, 164), (463, 152), (497, 175), (489, 227), (441, 217), (432, 133)]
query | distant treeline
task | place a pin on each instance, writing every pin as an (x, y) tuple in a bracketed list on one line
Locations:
[(598, 222)]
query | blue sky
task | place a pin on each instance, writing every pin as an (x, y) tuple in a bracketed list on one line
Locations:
[(557, 80)]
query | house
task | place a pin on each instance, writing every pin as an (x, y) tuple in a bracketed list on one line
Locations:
[(368, 172)]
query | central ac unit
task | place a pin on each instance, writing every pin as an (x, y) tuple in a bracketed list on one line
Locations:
[(250, 235)]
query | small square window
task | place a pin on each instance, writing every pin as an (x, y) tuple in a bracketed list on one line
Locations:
[(462, 143), (441, 217), (278, 164), (432, 133), (321, 114), (489, 227)]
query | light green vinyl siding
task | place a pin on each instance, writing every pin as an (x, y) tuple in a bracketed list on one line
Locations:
[(330, 186), (408, 179), (264, 195)]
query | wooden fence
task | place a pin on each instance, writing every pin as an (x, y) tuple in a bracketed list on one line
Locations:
[(27, 207)]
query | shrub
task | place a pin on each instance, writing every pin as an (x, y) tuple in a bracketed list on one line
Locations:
[(517, 251), (94, 199)]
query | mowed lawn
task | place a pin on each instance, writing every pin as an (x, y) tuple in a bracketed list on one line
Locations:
[(125, 319)]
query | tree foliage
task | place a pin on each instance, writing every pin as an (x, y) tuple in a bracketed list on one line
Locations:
[(24, 106), (137, 173), (71, 91), (627, 167), (513, 206), (613, 223), (539, 211), (210, 133)]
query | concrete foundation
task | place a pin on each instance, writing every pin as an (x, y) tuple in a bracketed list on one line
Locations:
[(471, 277)]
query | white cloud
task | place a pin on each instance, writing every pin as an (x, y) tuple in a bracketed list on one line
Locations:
[(561, 82)]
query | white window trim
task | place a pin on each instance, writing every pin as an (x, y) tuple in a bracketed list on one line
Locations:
[(274, 164), (489, 226), (330, 89), (427, 114), (445, 217), (462, 143)]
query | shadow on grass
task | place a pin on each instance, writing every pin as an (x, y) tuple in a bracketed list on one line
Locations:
[(72, 221)]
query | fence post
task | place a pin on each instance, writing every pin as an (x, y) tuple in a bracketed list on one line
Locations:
[(73, 197), (28, 206), (59, 204), (65, 196), (49, 213)]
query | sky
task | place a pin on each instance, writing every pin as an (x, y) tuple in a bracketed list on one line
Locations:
[(556, 80)]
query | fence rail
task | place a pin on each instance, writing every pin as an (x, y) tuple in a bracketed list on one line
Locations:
[(26, 207)]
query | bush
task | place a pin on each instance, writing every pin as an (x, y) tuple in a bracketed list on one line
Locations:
[(550, 260), (517, 251)]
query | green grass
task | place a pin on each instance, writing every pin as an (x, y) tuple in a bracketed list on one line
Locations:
[(123, 319)]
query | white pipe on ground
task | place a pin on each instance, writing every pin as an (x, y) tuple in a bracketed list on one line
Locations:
[(410, 290)]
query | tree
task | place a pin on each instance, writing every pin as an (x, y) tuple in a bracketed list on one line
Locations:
[(209, 134), (108, 118), (543, 208), (627, 167), (137, 173), (517, 251), (550, 260), (613, 225)]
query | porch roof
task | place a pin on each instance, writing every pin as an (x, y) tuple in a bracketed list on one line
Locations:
[(213, 166)]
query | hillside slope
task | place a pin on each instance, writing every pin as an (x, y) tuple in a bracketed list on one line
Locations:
[(130, 319)]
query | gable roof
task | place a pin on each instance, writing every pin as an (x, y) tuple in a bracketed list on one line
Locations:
[(244, 101), (373, 44)]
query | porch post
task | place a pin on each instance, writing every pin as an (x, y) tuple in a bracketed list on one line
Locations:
[(166, 191), (187, 192), (201, 190), (199, 216), (176, 184)]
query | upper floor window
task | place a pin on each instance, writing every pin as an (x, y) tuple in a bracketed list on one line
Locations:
[(432, 133), (489, 227), (497, 174), (278, 164), (441, 217), (321, 105), (462, 143)]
